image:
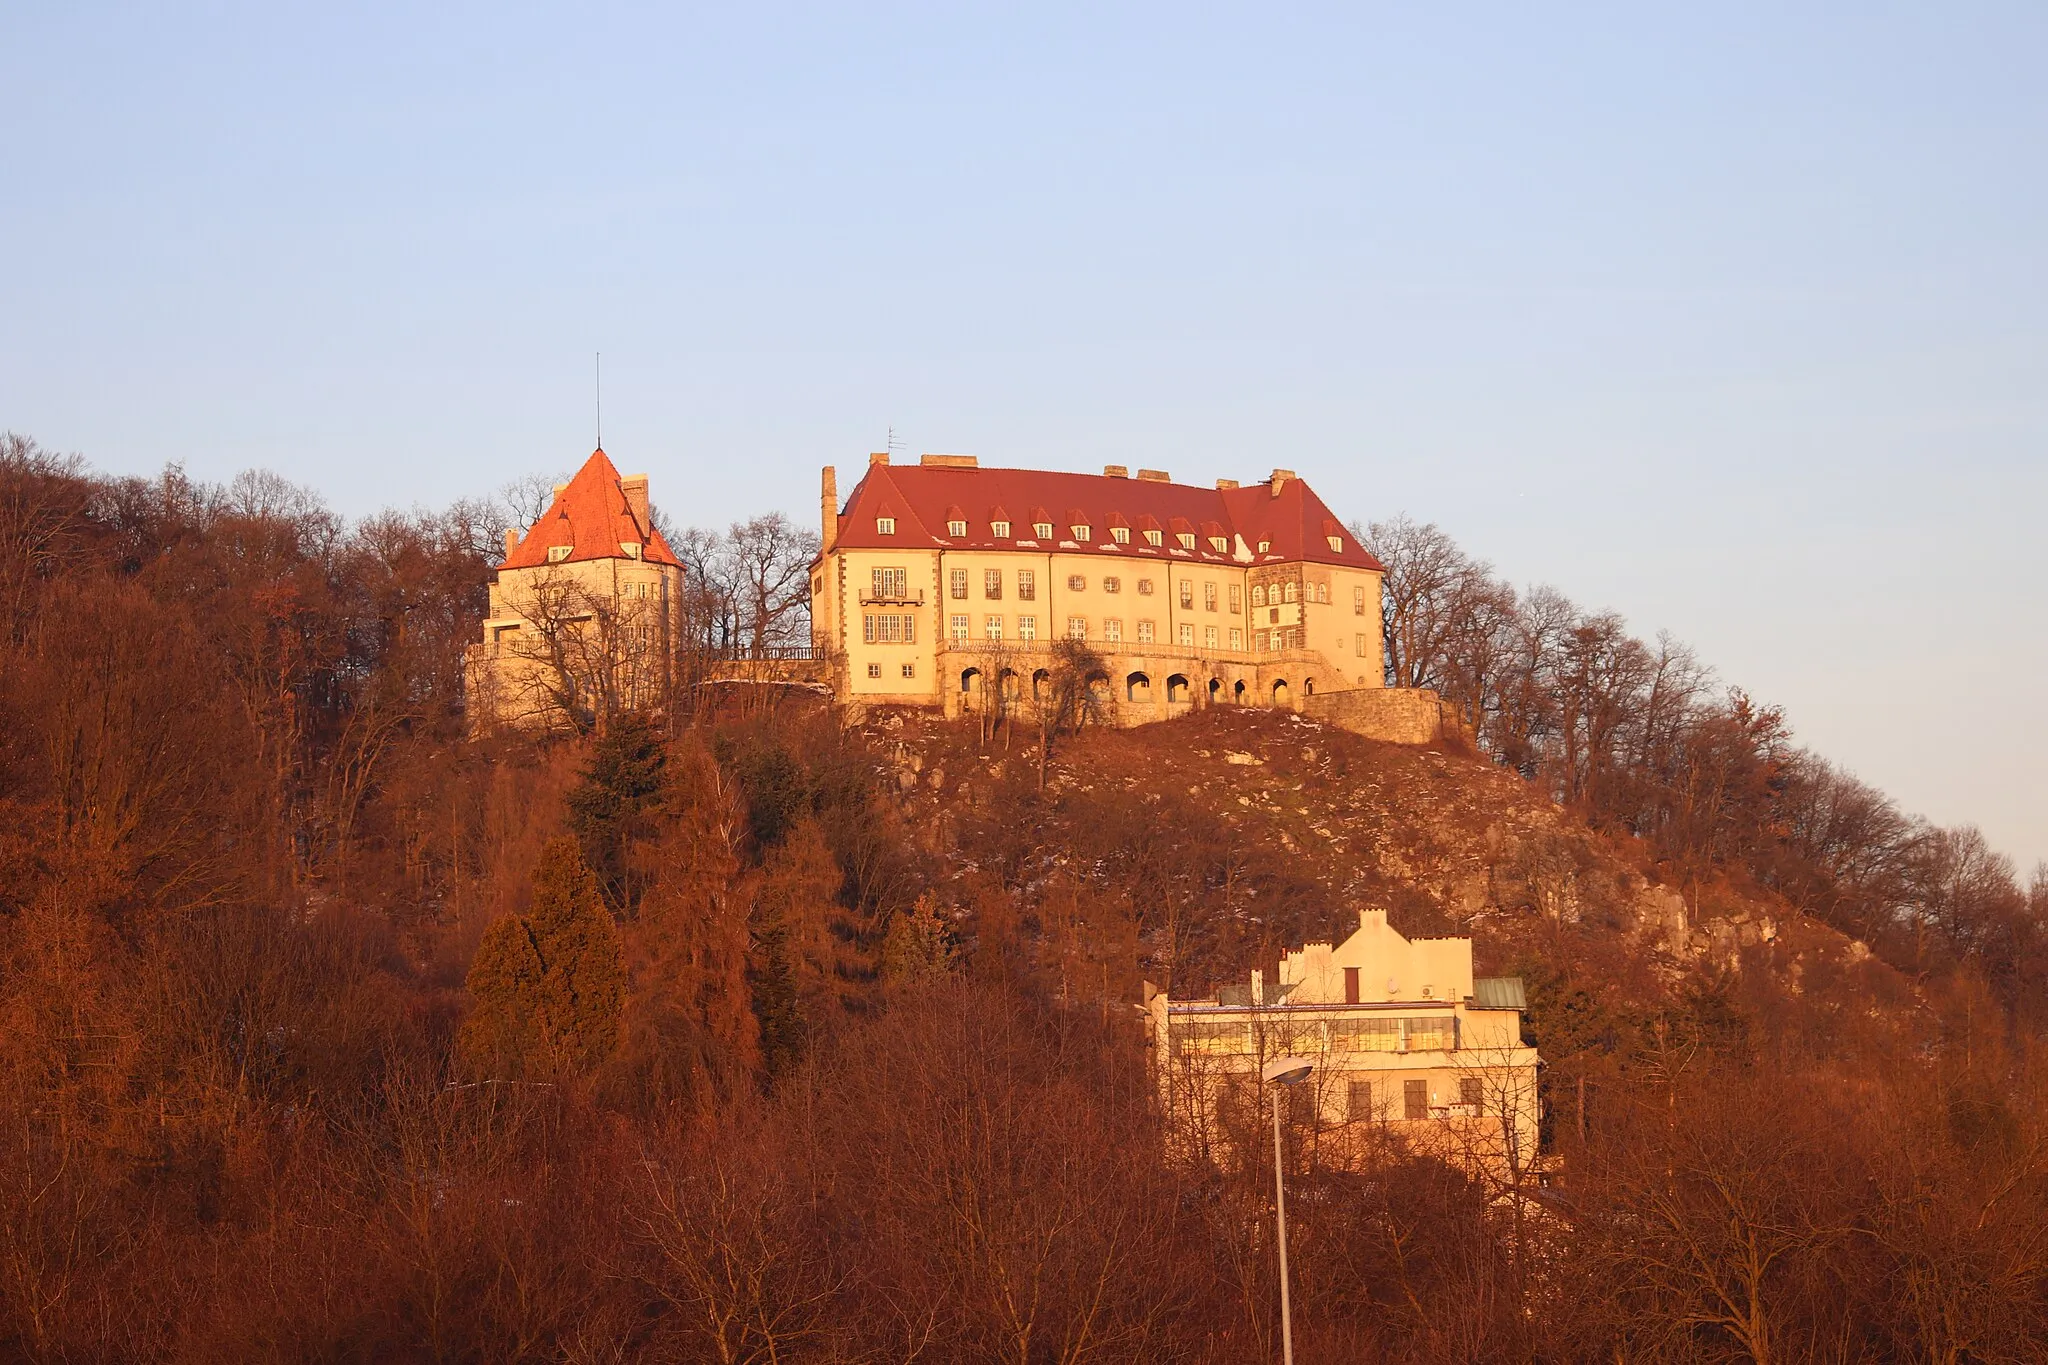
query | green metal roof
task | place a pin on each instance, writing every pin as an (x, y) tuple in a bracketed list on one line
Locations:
[(1499, 993)]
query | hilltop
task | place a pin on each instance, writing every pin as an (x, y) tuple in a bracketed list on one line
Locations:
[(1229, 836)]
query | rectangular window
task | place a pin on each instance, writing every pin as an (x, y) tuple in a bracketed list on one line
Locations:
[(1358, 1101), (999, 529), (959, 628), (992, 626), (889, 629), (1301, 1105), (1358, 601), (874, 670), (1077, 627), (1415, 1099), (1027, 585), (1187, 593), (892, 585), (885, 526), (1471, 1094), (1113, 630), (1237, 638), (1208, 637), (1145, 632), (1208, 597), (1259, 641), (1144, 587), (1351, 985), (956, 584), (1027, 627), (1237, 599), (1187, 633), (910, 670), (1076, 583), (992, 584)]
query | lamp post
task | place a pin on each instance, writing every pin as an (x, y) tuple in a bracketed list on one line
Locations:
[(1279, 1073)]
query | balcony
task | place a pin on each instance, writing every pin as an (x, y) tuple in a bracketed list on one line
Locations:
[(905, 599)]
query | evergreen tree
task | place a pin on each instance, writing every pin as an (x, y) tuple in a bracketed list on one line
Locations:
[(917, 947), (547, 988), (624, 780)]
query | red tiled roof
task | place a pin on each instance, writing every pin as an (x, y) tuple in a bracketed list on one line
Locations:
[(1296, 522), (592, 516)]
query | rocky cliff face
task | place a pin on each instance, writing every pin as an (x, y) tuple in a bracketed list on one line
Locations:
[(1228, 836)]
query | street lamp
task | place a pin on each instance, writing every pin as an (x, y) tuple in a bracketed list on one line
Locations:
[(1283, 1071)]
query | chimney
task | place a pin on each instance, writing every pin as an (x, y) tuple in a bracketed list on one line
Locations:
[(511, 541), (930, 461), (1154, 476), (879, 457), (828, 508), (1222, 484), (1116, 471), (634, 486), (1258, 985), (1280, 478), (558, 489)]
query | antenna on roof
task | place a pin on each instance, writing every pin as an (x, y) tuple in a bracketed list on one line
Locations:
[(600, 400), (894, 444)]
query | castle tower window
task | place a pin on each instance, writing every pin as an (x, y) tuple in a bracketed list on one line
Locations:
[(1120, 534), (885, 526)]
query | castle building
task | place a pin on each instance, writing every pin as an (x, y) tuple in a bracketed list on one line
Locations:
[(943, 583), (1407, 1044), (584, 610)]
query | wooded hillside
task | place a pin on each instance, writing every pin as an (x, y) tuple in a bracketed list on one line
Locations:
[(737, 1033)]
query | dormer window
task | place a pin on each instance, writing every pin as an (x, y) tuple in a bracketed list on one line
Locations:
[(1080, 530), (1155, 537), (1336, 542), (558, 553), (1265, 546), (956, 528), (632, 550), (1042, 529), (1186, 539), (1221, 544), (885, 526), (1000, 529), (1120, 534)]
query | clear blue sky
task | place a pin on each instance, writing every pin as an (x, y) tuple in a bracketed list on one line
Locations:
[(1734, 319)]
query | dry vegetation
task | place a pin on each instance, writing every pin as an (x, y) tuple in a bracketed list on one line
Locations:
[(738, 1035)]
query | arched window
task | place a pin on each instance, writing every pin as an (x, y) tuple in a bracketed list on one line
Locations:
[(1258, 594)]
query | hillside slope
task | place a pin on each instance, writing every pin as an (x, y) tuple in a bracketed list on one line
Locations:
[(1228, 836)]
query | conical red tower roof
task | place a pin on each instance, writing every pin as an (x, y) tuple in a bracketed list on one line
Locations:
[(594, 518)]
